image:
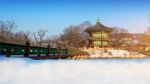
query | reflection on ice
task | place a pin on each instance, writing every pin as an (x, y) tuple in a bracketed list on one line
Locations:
[(108, 71)]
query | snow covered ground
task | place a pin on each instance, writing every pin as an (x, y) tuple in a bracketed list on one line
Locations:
[(114, 53), (98, 71)]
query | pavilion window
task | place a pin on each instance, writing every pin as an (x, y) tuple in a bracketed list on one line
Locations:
[(96, 35), (104, 34), (97, 42), (105, 43)]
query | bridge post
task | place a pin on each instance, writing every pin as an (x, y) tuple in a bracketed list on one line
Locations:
[(8, 53), (48, 50), (58, 51), (39, 52), (27, 49), (66, 51)]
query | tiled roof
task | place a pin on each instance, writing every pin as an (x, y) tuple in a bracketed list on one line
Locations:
[(99, 27)]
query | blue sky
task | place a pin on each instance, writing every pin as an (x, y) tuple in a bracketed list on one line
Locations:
[(55, 15)]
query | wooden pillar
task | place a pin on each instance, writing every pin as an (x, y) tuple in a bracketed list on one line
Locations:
[(66, 51), (39, 52), (58, 51), (27, 49), (8, 52), (48, 50)]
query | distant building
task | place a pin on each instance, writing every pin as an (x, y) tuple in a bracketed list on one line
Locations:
[(99, 35)]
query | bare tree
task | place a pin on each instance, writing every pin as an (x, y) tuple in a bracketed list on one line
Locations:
[(117, 36), (39, 36), (72, 36), (27, 36), (75, 36), (21, 37), (6, 29), (147, 31), (84, 25), (53, 41), (145, 37)]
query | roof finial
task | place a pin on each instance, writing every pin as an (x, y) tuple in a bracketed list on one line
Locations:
[(98, 19)]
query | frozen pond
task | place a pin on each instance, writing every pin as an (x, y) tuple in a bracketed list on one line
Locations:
[(94, 71)]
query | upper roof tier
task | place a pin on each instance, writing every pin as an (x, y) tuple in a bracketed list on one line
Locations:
[(98, 27)]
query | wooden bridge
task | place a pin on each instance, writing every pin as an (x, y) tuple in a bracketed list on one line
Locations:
[(36, 52)]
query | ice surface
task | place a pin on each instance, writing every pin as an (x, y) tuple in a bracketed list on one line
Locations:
[(106, 71)]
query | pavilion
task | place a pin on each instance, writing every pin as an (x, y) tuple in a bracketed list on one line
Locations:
[(99, 35)]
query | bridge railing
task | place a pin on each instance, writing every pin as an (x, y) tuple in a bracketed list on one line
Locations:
[(27, 50)]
